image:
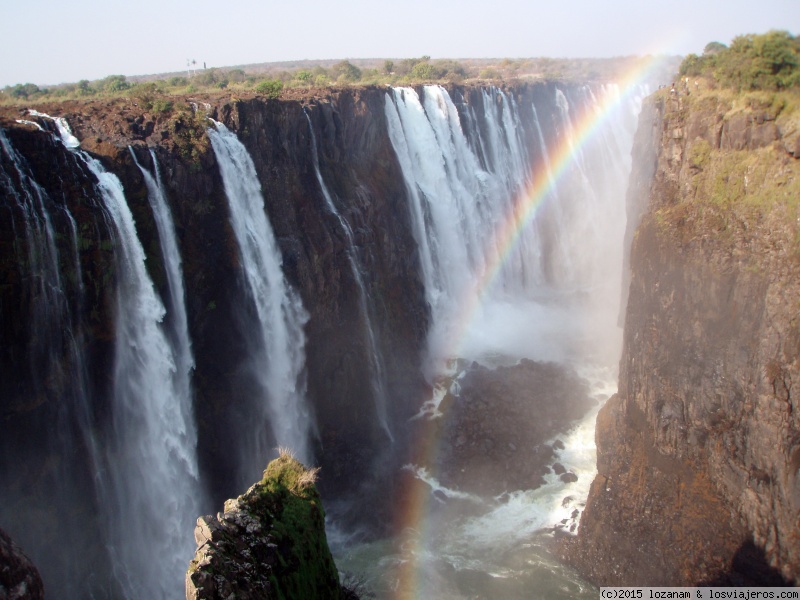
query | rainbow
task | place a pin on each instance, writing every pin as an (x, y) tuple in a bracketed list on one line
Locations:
[(413, 509)]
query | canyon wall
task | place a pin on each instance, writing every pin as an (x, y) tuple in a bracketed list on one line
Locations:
[(68, 462), (699, 452), (59, 273)]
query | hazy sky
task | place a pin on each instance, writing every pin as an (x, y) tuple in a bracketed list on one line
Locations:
[(55, 41)]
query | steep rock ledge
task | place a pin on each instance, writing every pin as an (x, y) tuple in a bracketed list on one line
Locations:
[(699, 453), (269, 543)]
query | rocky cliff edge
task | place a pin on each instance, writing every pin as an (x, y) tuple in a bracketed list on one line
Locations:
[(269, 543), (699, 453)]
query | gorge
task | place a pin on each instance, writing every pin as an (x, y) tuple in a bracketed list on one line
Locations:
[(369, 278)]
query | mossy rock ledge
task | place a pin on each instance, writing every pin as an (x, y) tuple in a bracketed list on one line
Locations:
[(269, 543)]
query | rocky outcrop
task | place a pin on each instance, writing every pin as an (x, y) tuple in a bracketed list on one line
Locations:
[(699, 453), (19, 578), (496, 423), (269, 543)]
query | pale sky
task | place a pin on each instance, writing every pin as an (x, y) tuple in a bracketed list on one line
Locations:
[(55, 41)]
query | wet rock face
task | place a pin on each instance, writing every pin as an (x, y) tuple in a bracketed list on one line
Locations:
[(698, 454), (497, 423), (19, 578)]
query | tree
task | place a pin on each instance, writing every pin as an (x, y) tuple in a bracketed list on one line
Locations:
[(770, 61), (388, 67), (236, 75), (714, 48), (114, 83), (23, 90), (345, 71)]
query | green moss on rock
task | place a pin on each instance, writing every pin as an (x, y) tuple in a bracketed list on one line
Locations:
[(269, 543)]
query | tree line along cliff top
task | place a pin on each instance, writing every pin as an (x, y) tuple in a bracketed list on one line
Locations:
[(302, 79)]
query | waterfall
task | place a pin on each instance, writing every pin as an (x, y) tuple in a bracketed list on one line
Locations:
[(149, 479), (178, 327), (490, 297), (54, 294), (36, 243), (377, 368), (278, 336), (458, 197)]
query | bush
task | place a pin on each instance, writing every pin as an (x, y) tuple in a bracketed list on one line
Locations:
[(84, 88), (162, 105), (426, 71), (752, 62), (236, 75), (271, 88), (346, 71), (23, 90), (114, 83)]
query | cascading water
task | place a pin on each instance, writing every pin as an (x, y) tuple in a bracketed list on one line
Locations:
[(377, 368), (146, 471), (462, 188), (279, 340), (150, 476), (178, 327), (54, 338), (503, 287)]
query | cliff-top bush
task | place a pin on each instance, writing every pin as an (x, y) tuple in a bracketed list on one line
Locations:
[(769, 61), (271, 88)]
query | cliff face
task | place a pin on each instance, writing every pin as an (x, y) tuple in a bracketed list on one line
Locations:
[(57, 413), (699, 452)]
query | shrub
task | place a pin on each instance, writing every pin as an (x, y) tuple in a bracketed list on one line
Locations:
[(114, 83), (426, 71), (346, 71), (23, 90), (236, 75), (271, 88), (490, 73), (162, 105)]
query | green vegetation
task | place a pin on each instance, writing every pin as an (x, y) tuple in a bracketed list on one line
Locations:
[(188, 129), (751, 179), (770, 61), (289, 500), (265, 80), (271, 88), (735, 195)]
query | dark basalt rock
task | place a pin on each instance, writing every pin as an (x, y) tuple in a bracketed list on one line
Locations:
[(495, 426), (19, 578)]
